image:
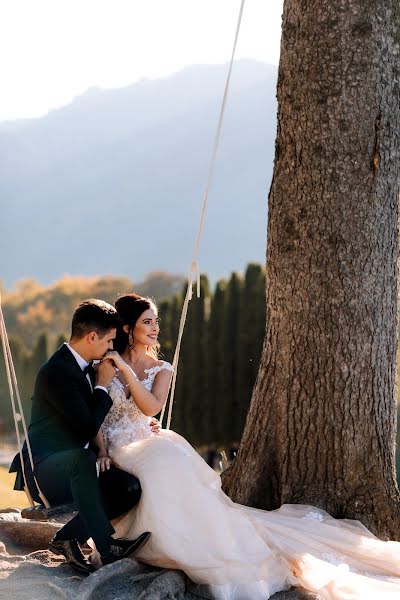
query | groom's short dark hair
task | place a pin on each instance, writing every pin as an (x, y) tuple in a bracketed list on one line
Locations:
[(93, 315)]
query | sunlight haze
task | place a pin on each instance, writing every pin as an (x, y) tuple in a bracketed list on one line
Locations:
[(53, 50)]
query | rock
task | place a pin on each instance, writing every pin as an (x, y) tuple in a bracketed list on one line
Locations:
[(46, 558), (104, 582), (27, 534), (128, 579), (295, 593), (10, 515), (2, 548), (43, 575), (10, 510), (166, 585), (9, 563), (39, 575)]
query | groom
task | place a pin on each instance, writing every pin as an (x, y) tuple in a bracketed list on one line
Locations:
[(69, 404)]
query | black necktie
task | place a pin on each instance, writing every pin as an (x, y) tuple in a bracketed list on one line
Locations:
[(88, 372), (88, 369)]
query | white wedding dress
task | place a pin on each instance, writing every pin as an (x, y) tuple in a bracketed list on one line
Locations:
[(232, 551)]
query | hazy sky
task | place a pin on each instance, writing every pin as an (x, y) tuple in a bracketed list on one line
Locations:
[(53, 50)]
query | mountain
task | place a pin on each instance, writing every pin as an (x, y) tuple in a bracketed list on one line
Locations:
[(113, 182)]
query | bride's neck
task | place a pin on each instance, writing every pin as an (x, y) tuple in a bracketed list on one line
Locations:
[(135, 355)]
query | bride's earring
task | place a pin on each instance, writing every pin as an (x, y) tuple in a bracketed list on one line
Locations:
[(131, 342)]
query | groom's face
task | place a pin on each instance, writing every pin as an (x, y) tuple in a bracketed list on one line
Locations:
[(101, 345)]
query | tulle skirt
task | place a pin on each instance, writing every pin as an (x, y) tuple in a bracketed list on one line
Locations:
[(233, 552)]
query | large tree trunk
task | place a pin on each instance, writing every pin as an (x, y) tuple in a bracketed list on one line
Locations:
[(321, 427)]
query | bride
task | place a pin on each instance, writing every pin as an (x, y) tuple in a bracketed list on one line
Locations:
[(231, 552)]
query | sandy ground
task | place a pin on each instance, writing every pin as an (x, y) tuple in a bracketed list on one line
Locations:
[(36, 576)]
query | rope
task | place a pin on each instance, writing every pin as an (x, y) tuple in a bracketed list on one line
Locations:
[(194, 272), (13, 384), (194, 275)]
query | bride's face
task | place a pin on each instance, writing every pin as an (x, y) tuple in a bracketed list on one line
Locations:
[(147, 328)]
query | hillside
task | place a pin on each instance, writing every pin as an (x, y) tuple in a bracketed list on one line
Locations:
[(112, 183), (32, 309)]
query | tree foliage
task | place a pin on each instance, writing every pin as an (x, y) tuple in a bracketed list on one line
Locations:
[(212, 392), (31, 308), (220, 356)]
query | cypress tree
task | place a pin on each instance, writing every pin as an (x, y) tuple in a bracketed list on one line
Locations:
[(39, 353), (32, 364), (227, 415), (251, 335), (176, 311), (18, 354), (164, 314), (178, 422), (193, 361), (215, 362), (60, 340), (5, 410)]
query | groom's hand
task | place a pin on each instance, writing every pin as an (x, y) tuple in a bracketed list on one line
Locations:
[(105, 373)]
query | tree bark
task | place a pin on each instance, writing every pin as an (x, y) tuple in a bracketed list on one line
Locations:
[(322, 422)]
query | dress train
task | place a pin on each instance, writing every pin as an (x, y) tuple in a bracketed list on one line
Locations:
[(234, 552)]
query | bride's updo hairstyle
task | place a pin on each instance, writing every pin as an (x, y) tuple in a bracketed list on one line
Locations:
[(129, 308)]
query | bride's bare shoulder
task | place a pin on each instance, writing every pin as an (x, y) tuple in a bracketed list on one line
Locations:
[(157, 363)]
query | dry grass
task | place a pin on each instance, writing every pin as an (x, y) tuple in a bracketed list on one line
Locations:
[(8, 497)]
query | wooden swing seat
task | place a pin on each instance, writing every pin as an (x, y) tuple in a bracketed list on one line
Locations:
[(41, 513)]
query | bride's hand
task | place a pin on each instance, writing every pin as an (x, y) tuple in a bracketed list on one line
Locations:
[(155, 425), (104, 462), (116, 358)]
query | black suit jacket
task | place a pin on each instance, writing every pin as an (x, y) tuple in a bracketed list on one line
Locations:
[(66, 413)]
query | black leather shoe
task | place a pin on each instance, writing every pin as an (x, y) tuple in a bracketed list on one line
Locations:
[(72, 552), (122, 548)]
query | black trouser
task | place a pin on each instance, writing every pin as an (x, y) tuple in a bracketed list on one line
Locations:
[(120, 491), (71, 476)]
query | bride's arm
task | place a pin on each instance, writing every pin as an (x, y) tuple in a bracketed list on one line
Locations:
[(150, 403)]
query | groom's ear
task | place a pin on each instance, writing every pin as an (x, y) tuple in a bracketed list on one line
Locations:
[(92, 337), (126, 328)]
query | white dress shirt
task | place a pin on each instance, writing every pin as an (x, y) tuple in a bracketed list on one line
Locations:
[(83, 364)]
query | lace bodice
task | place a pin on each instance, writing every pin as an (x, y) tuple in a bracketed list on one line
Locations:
[(125, 422)]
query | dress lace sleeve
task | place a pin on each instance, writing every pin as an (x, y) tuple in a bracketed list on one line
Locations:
[(125, 422)]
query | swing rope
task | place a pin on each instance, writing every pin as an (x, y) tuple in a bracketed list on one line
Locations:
[(194, 271), (193, 277), (13, 387)]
